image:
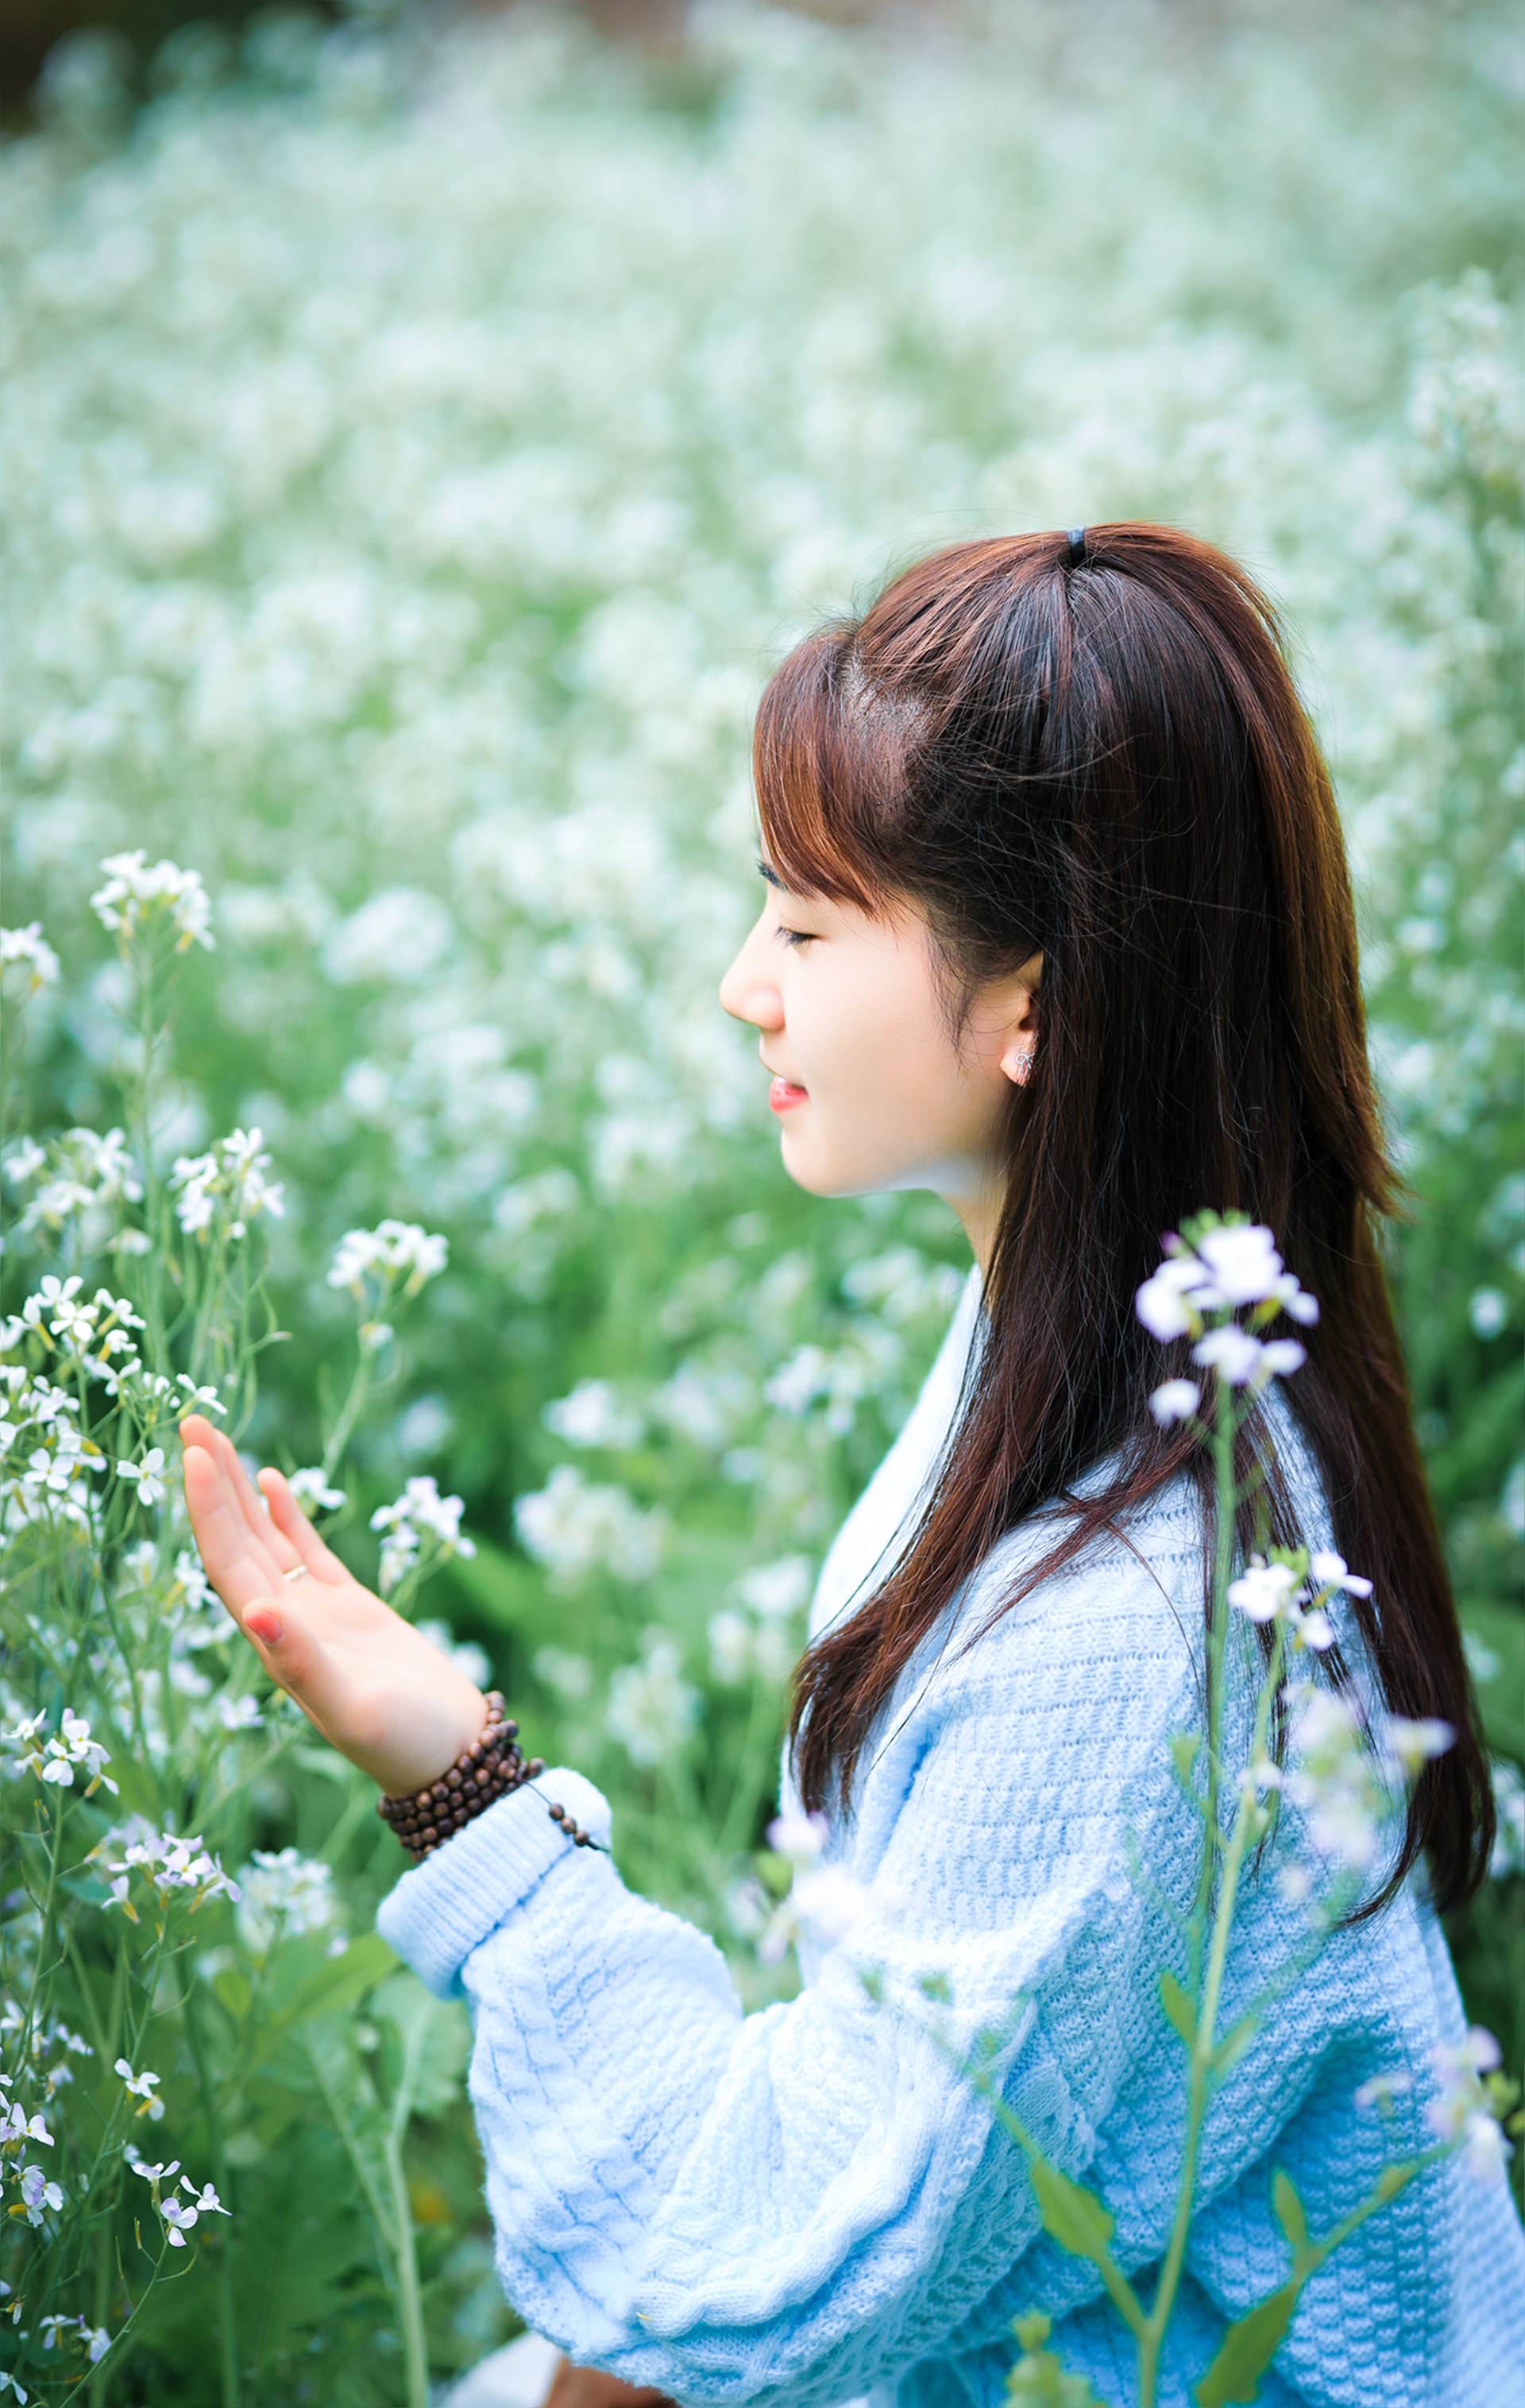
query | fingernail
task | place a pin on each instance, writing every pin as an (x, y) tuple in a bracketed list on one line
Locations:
[(265, 1625)]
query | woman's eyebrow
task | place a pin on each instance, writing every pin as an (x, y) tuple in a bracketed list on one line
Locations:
[(771, 875)]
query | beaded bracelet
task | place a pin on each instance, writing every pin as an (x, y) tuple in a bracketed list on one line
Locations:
[(491, 1768)]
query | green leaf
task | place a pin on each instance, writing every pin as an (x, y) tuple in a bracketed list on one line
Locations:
[(1073, 2215), (1183, 2015), (231, 1989), (1394, 2178), (1231, 2047), (1289, 2207), (1248, 2348), (338, 1982), (1185, 1749)]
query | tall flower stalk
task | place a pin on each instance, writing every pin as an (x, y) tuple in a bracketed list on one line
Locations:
[(1222, 1288), (144, 1984)]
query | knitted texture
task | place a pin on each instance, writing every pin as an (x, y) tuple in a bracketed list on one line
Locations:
[(808, 2203)]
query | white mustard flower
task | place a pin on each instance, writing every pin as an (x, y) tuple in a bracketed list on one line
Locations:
[(147, 1476), (393, 1247), (312, 1492), (28, 945), (284, 1892), (134, 892), (576, 1528), (591, 1415), (652, 1709), (1174, 1400)]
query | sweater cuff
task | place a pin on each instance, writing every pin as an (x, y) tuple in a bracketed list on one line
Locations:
[(455, 1899)]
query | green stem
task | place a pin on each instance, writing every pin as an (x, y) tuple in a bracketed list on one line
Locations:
[(409, 2297), (226, 2291), (1203, 2046)]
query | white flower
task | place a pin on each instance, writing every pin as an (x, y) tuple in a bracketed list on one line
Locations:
[(29, 945), (420, 1507), (1334, 1780), (1264, 1591), (1231, 1267), (199, 1400), (39, 2192), (1174, 1400), (142, 2086), (577, 1528), (1328, 1570), (1244, 1264), (230, 1181), (312, 1492), (284, 1891), (133, 891), (1382, 2089), (800, 1838), (1232, 1352), (240, 1714), (1161, 1303), (148, 1476), (1461, 2109), (150, 2173), (25, 1158), (1407, 1746), (591, 1415), (778, 1589), (190, 1573), (651, 1707), (391, 1247), (730, 1647)]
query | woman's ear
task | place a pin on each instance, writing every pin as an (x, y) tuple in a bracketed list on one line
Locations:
[(1021, 1041), (1016, 1060)]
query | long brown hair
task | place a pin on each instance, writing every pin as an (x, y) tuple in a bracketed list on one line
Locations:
[(1096, 752)]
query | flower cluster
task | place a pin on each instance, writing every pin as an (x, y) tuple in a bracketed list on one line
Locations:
[(136, 894), (577, 1526), (171, 1867), (759, 1637), (1201, 1285), (181, 2215), (1472, 2101), (652, 1708), (417, 1515), (284, 1891), (57, 1756), (1296, 1589), (823, 1902), (228, 1184), (29, 947), (394, 1250)]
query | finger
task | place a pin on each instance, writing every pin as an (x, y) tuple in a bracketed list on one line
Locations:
[(242, 1499), (292, 1654), (293, 1524), (238, 1565)]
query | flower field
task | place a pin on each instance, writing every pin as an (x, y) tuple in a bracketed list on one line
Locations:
[(418, 452)]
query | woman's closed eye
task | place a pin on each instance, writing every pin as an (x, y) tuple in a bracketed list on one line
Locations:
[(796, 937)]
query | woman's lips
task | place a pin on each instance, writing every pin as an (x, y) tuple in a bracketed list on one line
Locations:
[(783, 1095)]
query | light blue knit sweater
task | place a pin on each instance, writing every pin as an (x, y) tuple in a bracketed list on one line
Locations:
[(805, 2204)]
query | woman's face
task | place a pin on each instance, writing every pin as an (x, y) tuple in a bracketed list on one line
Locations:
[(872, 1089)]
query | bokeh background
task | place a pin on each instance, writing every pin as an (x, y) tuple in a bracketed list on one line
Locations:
[(422, 436)]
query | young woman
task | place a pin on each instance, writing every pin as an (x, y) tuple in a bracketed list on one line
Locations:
[(1055, 923)]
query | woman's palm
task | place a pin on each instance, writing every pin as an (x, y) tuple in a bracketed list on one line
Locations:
[(377, 1690)]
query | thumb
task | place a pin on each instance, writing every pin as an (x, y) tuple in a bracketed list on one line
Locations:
[(291, 1653)]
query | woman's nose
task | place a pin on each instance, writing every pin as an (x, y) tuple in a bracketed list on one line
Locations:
[(748, 993)]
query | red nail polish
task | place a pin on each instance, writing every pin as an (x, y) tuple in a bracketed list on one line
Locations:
[(264, 1623)]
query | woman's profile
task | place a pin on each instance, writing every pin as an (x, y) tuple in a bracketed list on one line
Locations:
[(1056, 923)]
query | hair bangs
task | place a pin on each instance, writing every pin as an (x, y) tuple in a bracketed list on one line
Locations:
[(828, 768)]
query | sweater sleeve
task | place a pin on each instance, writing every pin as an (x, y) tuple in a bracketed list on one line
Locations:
[(806, 2200)]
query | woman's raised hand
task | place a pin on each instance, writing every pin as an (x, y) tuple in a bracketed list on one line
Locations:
[(384, 1696)]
